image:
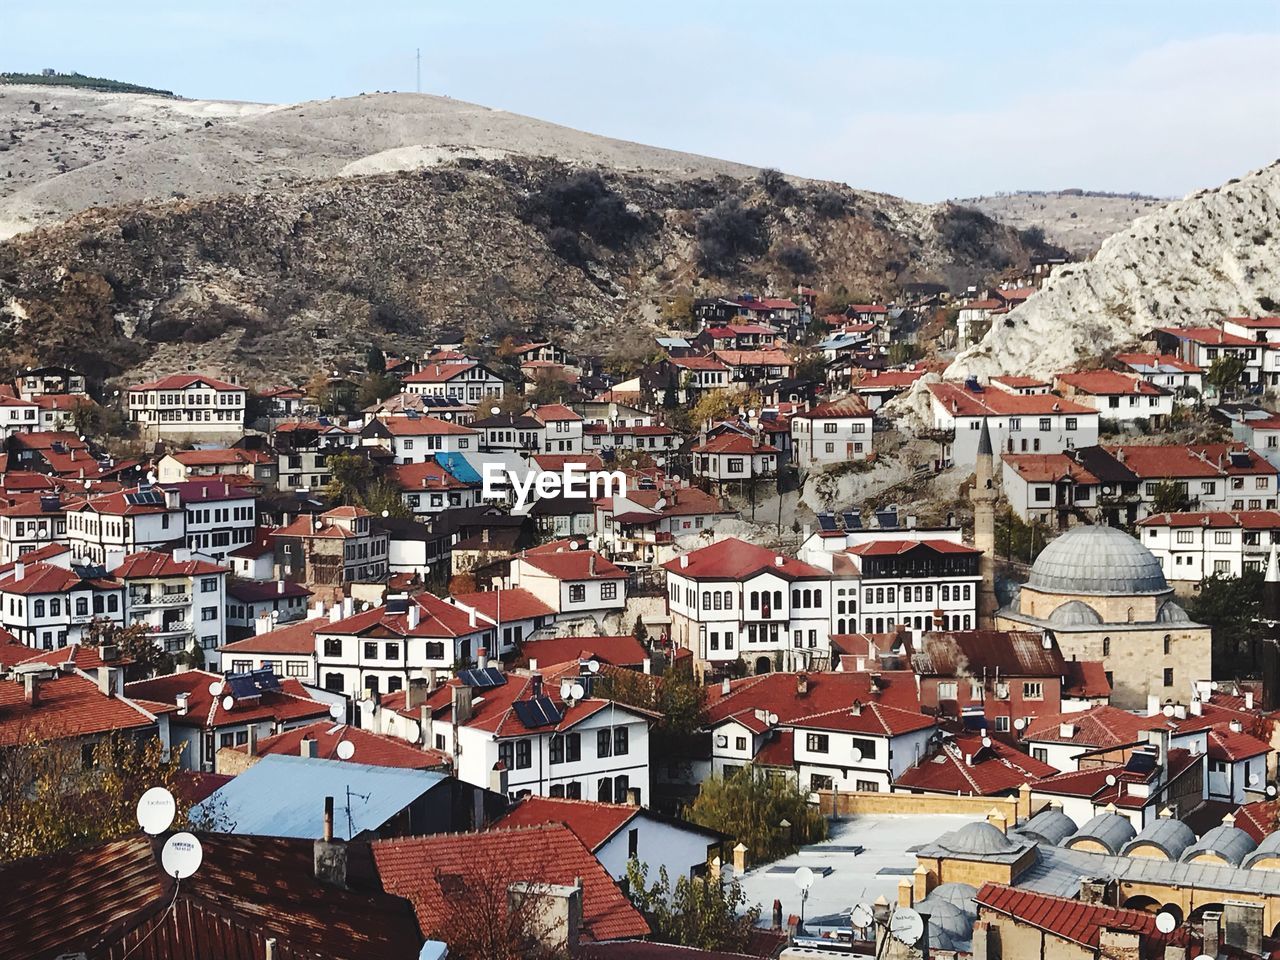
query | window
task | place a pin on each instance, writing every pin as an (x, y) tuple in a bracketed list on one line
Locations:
[(1002, 724), (1033, 690), (1222, 536), (866, 786), (577, 593), (332, 647), (604, 743), (208, 584), (370, 650), (609, 590), (948, 690), (1168, 676), (392, 651), (740, 743), (298, 668), (817, 742), (621, 741), (1186, 536), (209, 613), (633, 844), (1106, 646), (1045, 424), (524, 754), (604, 790), (1071, 423), (819, 781), (333, 682), (1040, 753), (507, 754), (734, 465)]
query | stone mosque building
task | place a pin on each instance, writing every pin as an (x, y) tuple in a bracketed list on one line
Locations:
[(1103, 596)]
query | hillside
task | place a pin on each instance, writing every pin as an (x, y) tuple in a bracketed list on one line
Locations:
[(273, 284), (1076, 220), (1215, 253), (181, 149)]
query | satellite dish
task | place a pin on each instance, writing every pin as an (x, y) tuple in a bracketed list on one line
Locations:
[(861, 916), (773, 719), (593, 666), (1111, 779), (1271, 789), (216, 688), (573, 544), (338, 711), (228, 702), (856, 755), (346, 749), (156, 810), (577, 691), (1166, 922), (986, 741), (566, 689), (1167, 710), (181, 856), (413, 735), (385, 514), (1020, 724), (1253, 779), (906, 926), (804, 878)]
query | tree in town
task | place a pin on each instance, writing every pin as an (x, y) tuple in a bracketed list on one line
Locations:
[(382, 496), (1232, 606), (135, 645), (677, 312), (1224, 374), (1169, 497), (375, 361), (716, 405), (676, 696), (376, 387), (549, 387), (350, 476), (704, 912), (770, 815)]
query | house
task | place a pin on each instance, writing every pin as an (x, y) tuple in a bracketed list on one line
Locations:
[(303, 448), (520, 732), (822, 729), (290, 909), (205, 721), (47, 605), (417, 439), (877, 387), (973, 319), (735, 601), (831, 433), (971, 765), (641, 525), (687, 377), (255, 465), (756, 366), (1262, 330), (219, 516), (515, 613), (548, 858), (49, 381), (571, 582), (1196, 544), (18, 416), (278, 796), (428, 488), (733, 455), (339, 546), (270, 602), (619, 833), (1018, 423), (736, 336), (1166, 371), (288, 651), (287, 402), (181, 601), (1072, 742), (465, 380), (323, 740), (188, 406), (381, 650), (1021, 385), (1118, 396), (31, 522), (1201, 346), (43, 703), (129, 521), (623, 651), (561, 428)]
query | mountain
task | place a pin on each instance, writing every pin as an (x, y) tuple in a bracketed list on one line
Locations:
[(1076, 220), (1215, 253), (275, 242)]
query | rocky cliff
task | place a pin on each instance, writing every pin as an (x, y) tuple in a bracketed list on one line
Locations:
[(1215, 253)]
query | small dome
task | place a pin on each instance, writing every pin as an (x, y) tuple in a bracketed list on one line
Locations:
[(1171, 612), (980, 838), (950, 927), (1050, 826), (1230, 843), (1170, 835), (957, 894), (1109, 829), (1097, 560), (1269, 847), (1075, 613)]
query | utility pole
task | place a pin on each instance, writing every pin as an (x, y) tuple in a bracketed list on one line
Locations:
[(418, 58)]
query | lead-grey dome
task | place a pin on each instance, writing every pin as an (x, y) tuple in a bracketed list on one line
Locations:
[(1268, 848), (1075, 613), (1226, 841), (1097, 560), (1169, 835), (1050, 826), (1109, 829), (977, 838), (1171, 612)]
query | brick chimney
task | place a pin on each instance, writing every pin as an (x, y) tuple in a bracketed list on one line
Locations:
[(329, 856)]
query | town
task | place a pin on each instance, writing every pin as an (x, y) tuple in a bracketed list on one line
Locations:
[(931, 613)]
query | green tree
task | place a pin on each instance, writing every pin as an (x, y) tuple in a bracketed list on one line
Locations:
[(382, 496), (548, 387), (350, 476), (752, 807), (1169, 497), (703, 913), (1224, 374), (376, 387), (676, 696), (715, 405), (135, 644), (1232, 606), (811, 365), (375, 360)]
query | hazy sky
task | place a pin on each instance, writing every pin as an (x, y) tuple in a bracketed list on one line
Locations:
[(924, 99)]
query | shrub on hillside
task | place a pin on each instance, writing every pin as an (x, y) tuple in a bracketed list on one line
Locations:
[(728, 234)]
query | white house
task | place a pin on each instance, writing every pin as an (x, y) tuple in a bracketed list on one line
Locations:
[(48, 605), (1118, 396), (31, 523), (732, 455), (219, 517), (831, 433), (561, 427), (1039, 423), (182, 601), (188, 405), (125, 522), (734, 600), (18, 416), (465, 380), (571, 582), (1193, 545), (417, 439), (1166, 371)]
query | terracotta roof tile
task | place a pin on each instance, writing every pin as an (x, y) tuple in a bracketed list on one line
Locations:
[(1072, 919), (734, 559)]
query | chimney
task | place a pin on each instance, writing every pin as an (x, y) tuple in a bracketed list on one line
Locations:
[(725, 686), (1248, 699), (416, 694), (461, 704), (335, 613), (633, 796), (329, 855), (981, 945), (779, 560), (348, 607), (482, 658), (251, 746), (802, 684), (280, 586), (182, 699), (171, 501), (498, 779), (906, 892), (535, 685), (1211, 932), (307, 748), (556, 912), (413, 615), (31, 688), (19, 571), (1242, 926)]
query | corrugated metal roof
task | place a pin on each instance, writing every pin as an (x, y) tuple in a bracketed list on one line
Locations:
[(282, 796)]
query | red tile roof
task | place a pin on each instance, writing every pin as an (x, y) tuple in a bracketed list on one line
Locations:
[(426, 871), (1209, 336), (621, 651), (970, 768), (593, 823), (1174, 460), (892, 548), (437, 619), (777, 693), (1014, 653), (751, 358), (82, 657), (997, 403), (1226, 744), (180, 381), (1109, 383), (733, 443), (1259, 818), (1246, 519), (370, 748), (295, 638), (869, 718), (847, 407), (1048, 468), (1256, 323), (40, 577), (734, 559), (1103, 726), (149, 563), (573, 565), (1157, 360), (1086, 679), (70, 705), (516, 604), (886, 379), (440, 372), (428, 475), (552, 412), (1019, 382), (210, 458), (205, 710), (425, 427), (1071, 919)]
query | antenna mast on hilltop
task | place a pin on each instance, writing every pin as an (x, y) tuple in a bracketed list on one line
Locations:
[(418, 58)]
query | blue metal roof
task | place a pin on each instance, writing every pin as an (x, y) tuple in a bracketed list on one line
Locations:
[(283, 796), (457, 467)]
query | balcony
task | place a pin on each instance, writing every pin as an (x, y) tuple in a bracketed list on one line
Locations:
[(169, 629), (159, 600)]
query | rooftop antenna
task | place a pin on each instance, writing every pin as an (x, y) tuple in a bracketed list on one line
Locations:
[(418, 58), (351, 827)]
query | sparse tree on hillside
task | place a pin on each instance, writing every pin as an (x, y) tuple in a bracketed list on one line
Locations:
[(1224, 374), (1169, 497), (703, 912), (729, 234)]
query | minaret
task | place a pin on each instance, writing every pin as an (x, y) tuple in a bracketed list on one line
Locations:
[(1268, 647), (984, 526)]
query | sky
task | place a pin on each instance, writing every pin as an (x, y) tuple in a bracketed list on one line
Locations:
[(927, 99)]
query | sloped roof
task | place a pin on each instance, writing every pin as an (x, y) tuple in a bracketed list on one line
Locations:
[(1071, 919), (970, 768), (180, 381), (70, 705), (734, 559), (372, 749), (514, 603), (620, 651), (1013, 653), (422, 870), (295, 638), (205, 710)]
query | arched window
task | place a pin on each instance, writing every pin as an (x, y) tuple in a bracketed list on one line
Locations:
[(1168, 644), (55, 607), (889, 593), (946, 593), (706, 599), (795, 598), (1129, 615), (777, 599), (817, 598), (37, 610), (755, 599), (928, 594), (1106, 646)]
